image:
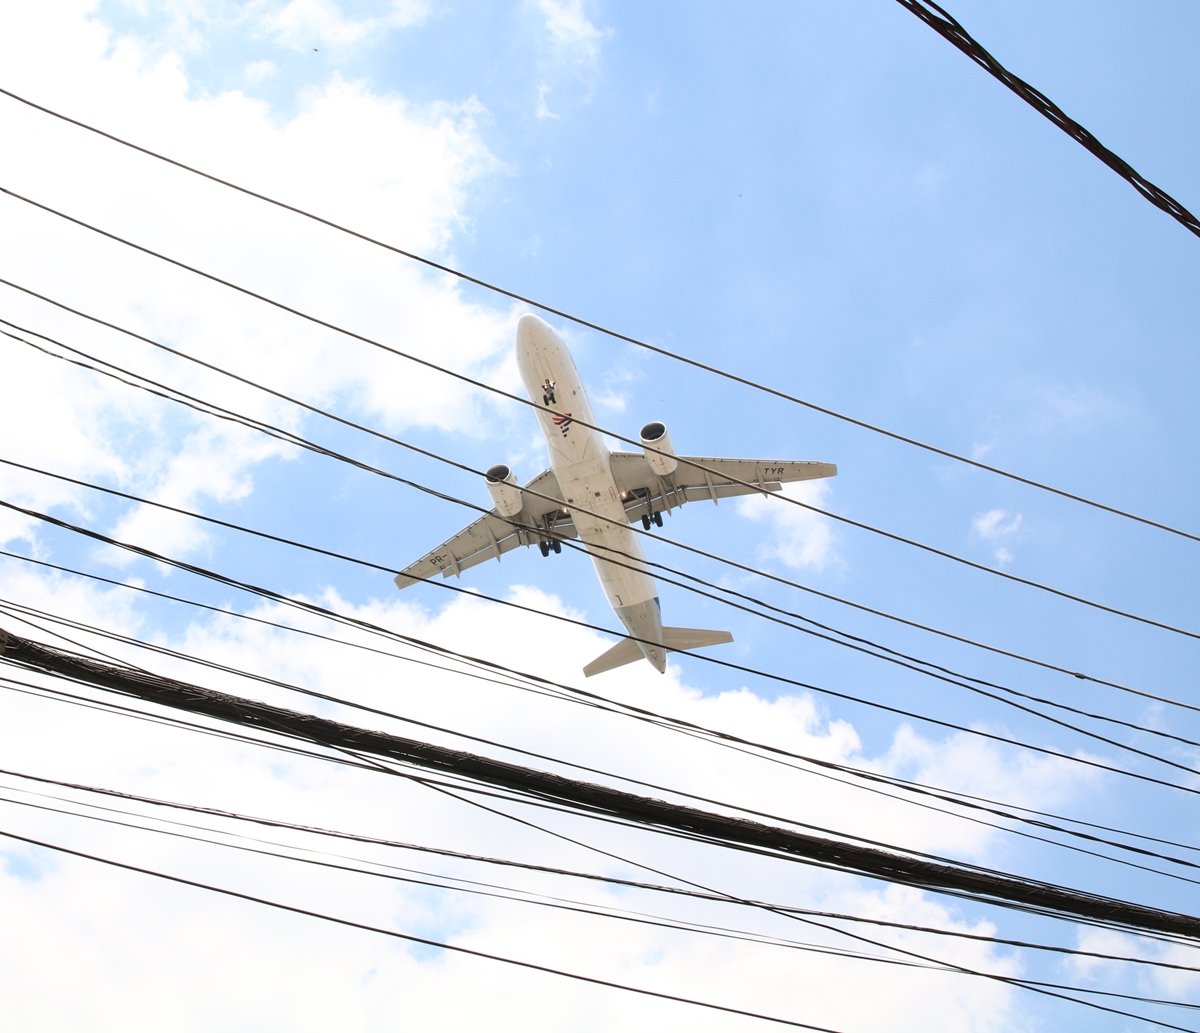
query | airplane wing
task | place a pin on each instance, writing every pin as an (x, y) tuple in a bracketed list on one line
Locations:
[(646, 493), (493, 535)]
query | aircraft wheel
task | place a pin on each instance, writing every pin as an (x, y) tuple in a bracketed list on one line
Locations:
[(544, 548), (658, 519), (645, 522), (556, 545)]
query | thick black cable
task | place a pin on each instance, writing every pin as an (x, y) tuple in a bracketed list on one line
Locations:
[(644, 810), (862, 526), (815, 766), (946, 26), (1046, 989), (598, 328), (772, 753)]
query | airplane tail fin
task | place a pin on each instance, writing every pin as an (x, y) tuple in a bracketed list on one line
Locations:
[(627, 650)]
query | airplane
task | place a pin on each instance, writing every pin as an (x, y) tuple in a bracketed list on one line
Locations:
[(593, 494)]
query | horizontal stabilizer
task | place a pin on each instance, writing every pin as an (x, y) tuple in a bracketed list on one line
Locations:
[(624, 652), (628, 650), (694, 638)]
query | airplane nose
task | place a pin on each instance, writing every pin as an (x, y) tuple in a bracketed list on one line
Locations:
[(530, 327)]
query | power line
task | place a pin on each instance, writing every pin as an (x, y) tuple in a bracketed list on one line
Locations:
[(641, 784), (598, 798), (946, 26), (598, 328), (615, 881), (743, 668), (326, 324), (424, 941), (823, 768), (214, 410)]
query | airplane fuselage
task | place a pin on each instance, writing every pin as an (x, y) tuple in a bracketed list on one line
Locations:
[(581, 462)]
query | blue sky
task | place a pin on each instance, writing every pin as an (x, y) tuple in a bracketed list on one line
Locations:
[(826, 199)]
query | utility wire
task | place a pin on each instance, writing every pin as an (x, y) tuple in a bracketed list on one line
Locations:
[(742, 668), (855, 642), (591, 796), (641, 784), (814, 766), (611, 880), (598, 328), (416, 877), (212, 409), (326, 324), (946, 26), (456, 948)]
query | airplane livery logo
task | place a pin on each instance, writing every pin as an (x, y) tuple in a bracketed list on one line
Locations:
[(562, 422)]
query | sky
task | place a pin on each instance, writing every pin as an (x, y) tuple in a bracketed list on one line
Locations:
[(824, 200)]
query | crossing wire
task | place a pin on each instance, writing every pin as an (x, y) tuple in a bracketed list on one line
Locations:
[(615, 334), (596, 798), (823, 768), (291, 437), (511, 604), (574, 874), (1003, 695), (428, 364), (19, 613)]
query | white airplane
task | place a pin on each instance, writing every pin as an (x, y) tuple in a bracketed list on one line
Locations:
[(593, 494)]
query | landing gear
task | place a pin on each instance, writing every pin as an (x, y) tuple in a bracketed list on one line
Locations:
[(658, 519), (546, 547), (655, 516)]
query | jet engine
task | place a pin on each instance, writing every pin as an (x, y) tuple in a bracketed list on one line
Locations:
[(655, 436), (502, 486)]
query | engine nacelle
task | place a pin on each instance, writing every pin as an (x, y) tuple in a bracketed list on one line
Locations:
[(502, 486), (656, 437)]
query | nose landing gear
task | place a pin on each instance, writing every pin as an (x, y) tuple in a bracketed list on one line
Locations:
[(655, 516)]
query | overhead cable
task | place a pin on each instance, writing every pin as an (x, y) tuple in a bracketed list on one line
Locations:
[(946, 26), (594, 797), (698, 464), (855, 777), (211, 409), (598, 328), (511, 604)]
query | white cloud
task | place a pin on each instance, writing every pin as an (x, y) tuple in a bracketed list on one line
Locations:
[(399, 171), (304, 24), (797, 537), (543, 106), (998, 528), (575, 36), (172, 936), (574, 53)]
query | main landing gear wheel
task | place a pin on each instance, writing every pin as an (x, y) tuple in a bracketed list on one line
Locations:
[(655, 516), (658, 519), (546, 547), (645, 522)]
